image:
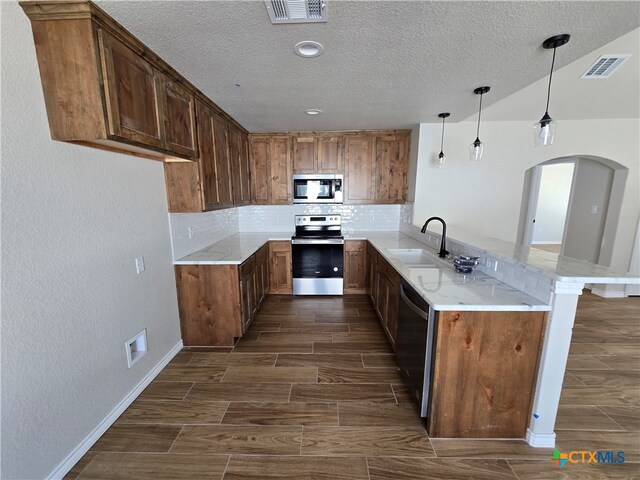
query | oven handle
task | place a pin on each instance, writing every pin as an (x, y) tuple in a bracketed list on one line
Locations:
[(300, 241)]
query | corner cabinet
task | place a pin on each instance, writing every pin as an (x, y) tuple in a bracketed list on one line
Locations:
[(205, 184), (376, 168), (218, 302)]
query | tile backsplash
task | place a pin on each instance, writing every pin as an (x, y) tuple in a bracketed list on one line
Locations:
[(207, 228), (211, 227), (276, 218)]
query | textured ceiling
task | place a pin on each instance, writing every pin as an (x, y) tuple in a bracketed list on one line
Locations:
[(388, 64)]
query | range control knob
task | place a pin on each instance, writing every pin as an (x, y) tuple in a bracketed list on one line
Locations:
[(335, 269)]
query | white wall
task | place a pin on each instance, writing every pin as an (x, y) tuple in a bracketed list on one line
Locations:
[(588, 210), (553, 199), (73, 219)]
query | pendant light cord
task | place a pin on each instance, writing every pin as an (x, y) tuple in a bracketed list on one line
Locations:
[(550, 76), (442, 139), (479, 112)]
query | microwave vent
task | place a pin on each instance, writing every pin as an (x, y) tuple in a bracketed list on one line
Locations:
[(296, 11)]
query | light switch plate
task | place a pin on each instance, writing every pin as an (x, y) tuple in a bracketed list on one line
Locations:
[(139, 265)]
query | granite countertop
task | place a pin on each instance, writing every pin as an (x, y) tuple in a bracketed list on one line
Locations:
[(439, 285)]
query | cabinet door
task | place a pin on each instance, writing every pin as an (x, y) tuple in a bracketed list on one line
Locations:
[(131, 88), (372, 274), (209, 304), (330, 155), (359, 170), (245, 168), (305, 151), (259, 148), (355, 265), (223, 161), (280, 267), (179, 119), (247, 272), (280, 170), (391, 168), (240, 167), (207, 161), (393, 302), (184, 188)]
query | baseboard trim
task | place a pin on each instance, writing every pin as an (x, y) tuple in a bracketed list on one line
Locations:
[(609, 293), (77, 453), (541, 440)]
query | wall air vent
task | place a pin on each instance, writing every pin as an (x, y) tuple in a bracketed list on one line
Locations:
[(605, 66), (296, 11)]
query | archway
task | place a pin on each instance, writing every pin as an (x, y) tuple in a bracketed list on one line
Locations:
[(592, 210)]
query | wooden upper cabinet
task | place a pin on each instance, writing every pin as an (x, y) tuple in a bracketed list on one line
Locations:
[(179, 118), (205, 184), (392, 163), (305, 155), (259, 150), (106, 89), (131, 87), (240, 170), (318, 154), (222, 161), (270, 169), (359, 181), (330, 154), (280, 170)]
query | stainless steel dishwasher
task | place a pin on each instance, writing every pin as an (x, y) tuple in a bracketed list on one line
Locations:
[(414, 344)]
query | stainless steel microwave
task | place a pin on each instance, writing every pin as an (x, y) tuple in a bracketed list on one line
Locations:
[(320, 188)]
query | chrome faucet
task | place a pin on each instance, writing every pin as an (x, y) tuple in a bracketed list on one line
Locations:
[(443, 252)]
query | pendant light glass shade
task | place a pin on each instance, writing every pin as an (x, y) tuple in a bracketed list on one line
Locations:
[(441, 159), (476, 149), (544, 131)]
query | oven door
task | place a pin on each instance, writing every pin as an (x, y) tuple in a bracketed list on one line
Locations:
[(318, 266)]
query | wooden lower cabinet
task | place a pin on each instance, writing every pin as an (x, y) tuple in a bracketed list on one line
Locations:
[(217, 302), (281, 276), (355, 266), (384, 290), (484, 372)]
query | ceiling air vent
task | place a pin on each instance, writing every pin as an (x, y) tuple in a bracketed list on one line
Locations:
[(296, 11), (605, 66)]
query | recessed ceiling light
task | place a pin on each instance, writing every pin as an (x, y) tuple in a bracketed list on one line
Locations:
[(308, 49), (313, 111)]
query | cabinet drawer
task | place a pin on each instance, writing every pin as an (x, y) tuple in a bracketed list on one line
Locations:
[(248, 265), (354, 245)]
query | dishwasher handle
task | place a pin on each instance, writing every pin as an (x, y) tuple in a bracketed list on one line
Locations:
[(417, 310)]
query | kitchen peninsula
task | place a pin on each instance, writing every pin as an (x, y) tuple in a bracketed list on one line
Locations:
[(508, 280)]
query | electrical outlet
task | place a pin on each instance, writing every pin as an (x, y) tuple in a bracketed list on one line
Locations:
[(139, 265), (191, 232), (594, 209)]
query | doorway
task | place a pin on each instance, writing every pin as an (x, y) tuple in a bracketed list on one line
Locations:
[(571, 206), (550, 214)]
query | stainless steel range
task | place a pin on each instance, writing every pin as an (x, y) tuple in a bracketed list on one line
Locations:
[(317, 255)]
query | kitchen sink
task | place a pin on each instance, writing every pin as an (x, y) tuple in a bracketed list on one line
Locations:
[(413, 257)]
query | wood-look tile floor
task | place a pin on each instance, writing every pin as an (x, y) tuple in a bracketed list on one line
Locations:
[(312, 392)]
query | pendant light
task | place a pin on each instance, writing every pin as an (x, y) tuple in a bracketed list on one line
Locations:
[(440, 159), (476, 148), (544, 131)]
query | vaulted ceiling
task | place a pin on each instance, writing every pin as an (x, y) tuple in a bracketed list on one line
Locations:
[(386, 64)]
